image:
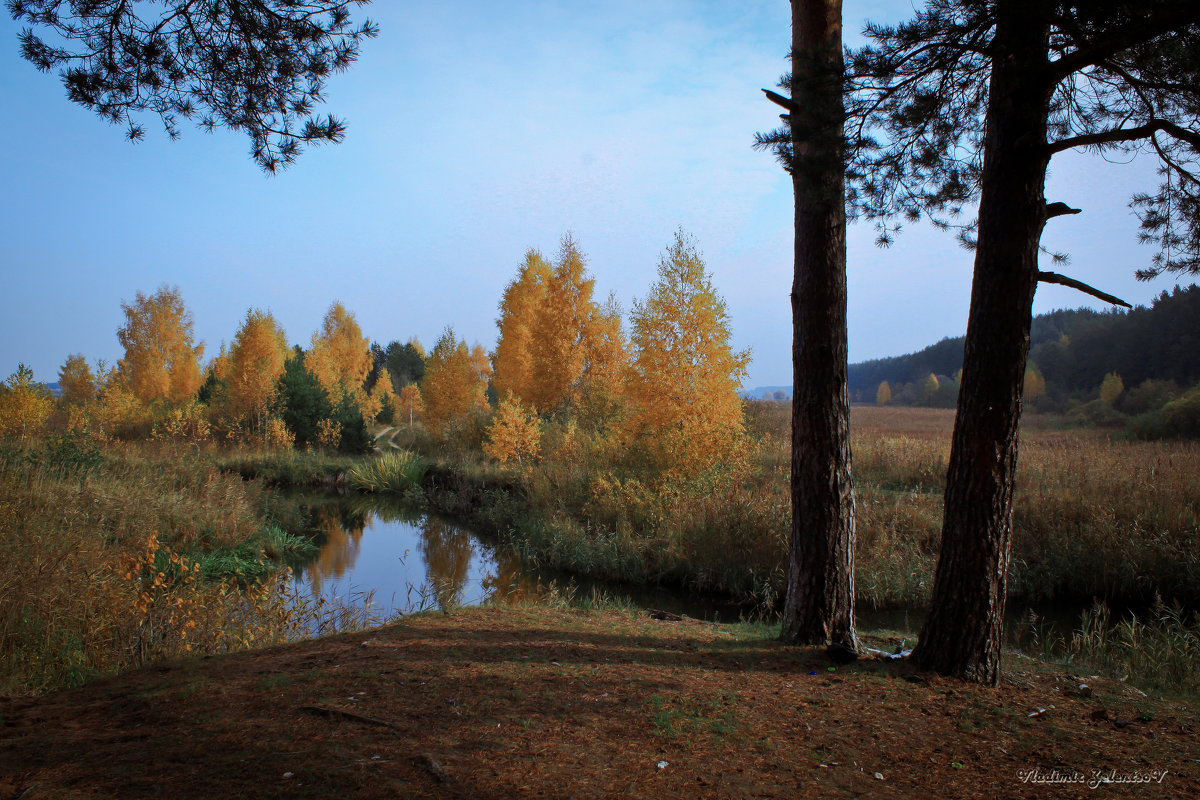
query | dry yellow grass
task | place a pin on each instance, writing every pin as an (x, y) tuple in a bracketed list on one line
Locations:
[(1093, 516)]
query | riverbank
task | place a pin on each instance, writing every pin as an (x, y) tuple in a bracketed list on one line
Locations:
[(549, 702)]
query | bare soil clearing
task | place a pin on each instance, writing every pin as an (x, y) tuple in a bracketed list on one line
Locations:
[(531, 702)]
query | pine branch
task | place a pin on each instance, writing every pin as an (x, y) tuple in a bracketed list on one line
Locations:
[(1118, 38), (1128, 135), (1063, 280)]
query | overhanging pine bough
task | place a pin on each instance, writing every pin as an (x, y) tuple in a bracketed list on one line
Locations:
[(257, 66)]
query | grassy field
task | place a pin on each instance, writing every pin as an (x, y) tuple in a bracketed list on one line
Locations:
[(1094, 517)]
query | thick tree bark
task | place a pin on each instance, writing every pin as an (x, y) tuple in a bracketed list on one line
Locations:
[(962, 635), (819, 607)]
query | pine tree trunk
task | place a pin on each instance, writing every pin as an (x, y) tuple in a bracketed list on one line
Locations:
[(819, 607), (962, 635)]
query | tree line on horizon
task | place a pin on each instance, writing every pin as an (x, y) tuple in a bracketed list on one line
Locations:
[(1077, 358)]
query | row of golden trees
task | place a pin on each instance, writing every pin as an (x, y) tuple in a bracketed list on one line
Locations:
[(160, 384), (668, 391)]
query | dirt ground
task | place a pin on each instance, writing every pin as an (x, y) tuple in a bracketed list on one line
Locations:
[(530, 702)]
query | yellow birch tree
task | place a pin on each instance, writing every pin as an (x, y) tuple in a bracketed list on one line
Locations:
[(340, 357), (519, 309), (481, 368), (411, 401), (1111, 388), (606, 365), (160, 363), (451, 387), (383, 395), (515, 432), (24, 405), (252, 367), (883, 395), (77, 382), (1035, 383), (557, 332), (685, 411)]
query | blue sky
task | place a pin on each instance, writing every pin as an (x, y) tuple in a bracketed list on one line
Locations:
[(479, 130)]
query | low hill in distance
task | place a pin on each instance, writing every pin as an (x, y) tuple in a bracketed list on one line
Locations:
[(1071, 353)]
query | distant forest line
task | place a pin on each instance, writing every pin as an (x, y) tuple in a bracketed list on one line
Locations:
[(1071, 349), (1108, 368)]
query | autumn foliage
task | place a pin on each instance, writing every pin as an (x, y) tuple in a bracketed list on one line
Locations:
[(515, 433), (253, 366), (76, 380), (558, 330), (340, 355), (384, 400), (161, 363), (24, 405), (558, 349), (453, 385), (685, 415), (411, 402), (519, 307)]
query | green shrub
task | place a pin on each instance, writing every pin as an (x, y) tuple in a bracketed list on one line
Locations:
[(1148, 396), (1177, 419), (1181, 417), (1098, 414)]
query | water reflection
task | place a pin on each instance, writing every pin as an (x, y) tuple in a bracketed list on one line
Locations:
[(447, 552), (399, 559), (340, 532)]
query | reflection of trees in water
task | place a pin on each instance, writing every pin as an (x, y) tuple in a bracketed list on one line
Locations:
[(384, 508), (447, 552), (341, 530), (506, 581), (337, 523)]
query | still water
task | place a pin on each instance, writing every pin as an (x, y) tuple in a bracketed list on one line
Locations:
[(398, 559), (402, 560)]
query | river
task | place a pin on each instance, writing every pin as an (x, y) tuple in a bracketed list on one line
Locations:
[(371, 549)]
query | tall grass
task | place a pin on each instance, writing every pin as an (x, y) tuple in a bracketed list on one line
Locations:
[(286, 467), (1103, 518), (1093, 517), (1156, 649), (111, 560), (391, 471)]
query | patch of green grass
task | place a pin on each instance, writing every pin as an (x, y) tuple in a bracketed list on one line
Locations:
[(392, 471), (675, 717), (276, 681)]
